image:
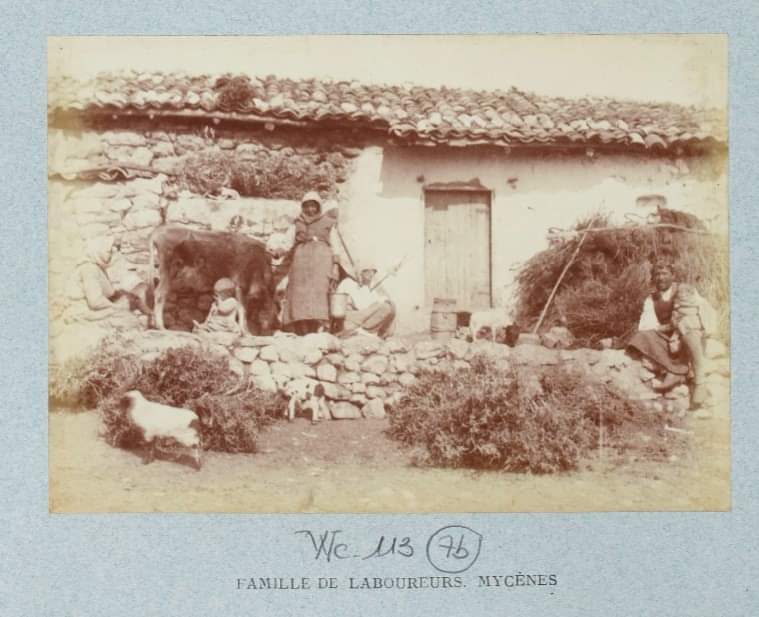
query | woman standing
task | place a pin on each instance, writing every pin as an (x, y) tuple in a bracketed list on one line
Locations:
[(313, 270)]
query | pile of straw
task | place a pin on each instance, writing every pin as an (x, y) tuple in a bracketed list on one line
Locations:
[(602, 293)]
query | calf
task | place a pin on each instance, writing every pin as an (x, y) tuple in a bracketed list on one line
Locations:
[(156, 421), (216, 255)]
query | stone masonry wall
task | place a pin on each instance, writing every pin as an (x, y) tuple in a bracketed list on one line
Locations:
[(129, 210), (364, 375)]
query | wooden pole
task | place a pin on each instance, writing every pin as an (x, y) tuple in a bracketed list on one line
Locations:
[(561, 276), (345, 246)]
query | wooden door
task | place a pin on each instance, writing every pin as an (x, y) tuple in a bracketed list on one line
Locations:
[(457, 248)]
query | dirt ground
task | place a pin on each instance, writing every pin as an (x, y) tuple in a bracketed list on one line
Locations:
[(351, 466)]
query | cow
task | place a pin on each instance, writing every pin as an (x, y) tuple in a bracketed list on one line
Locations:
[(216, 255)]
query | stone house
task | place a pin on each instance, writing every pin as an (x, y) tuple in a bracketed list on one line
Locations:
[(460, 186)]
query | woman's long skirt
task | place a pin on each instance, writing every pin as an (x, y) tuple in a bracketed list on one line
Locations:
[(308, 283)]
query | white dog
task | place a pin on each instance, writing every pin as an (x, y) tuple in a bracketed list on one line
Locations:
[(157, 421), (307, 395), (493, 319)]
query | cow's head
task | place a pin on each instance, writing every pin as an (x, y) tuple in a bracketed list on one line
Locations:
[(188, 274), (261, 309)]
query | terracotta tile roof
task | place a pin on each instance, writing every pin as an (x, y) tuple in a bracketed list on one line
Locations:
[(419, 114)]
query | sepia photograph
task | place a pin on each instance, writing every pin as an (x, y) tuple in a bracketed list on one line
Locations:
[(388, 273)]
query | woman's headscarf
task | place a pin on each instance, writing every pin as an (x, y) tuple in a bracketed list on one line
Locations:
[(314, 197), (98, 251)]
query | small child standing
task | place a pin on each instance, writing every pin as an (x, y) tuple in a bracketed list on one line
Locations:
[(225, 314)]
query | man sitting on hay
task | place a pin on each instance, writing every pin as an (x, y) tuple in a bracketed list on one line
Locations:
[(674, 324)]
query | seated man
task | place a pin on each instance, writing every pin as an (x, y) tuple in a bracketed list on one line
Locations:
[(674, 322), (370, 309)]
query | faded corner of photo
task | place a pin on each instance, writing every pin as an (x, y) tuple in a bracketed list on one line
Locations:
[(331, 280)]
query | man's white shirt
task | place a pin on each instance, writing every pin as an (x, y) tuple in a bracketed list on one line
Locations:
[(362, 296)]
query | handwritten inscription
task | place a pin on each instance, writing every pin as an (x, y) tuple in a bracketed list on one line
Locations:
[(328, 546), (452, 549)]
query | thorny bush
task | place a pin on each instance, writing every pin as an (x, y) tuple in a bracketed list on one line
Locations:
[(232, 412), (509, 418)]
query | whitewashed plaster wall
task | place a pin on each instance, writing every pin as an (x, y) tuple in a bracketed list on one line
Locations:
[(382, 204)]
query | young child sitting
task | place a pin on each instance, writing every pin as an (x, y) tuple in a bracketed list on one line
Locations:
[(225, 314)]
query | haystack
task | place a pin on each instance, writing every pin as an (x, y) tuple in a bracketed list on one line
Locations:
[(602, 292)]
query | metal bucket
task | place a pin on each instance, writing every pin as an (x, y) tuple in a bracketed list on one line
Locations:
[(443, 318), (338, 304)]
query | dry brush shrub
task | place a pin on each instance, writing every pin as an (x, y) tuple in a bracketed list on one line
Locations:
[(512, 419), (206, 172), (232, 413), (603, 291), (273, 174), (82, 382)]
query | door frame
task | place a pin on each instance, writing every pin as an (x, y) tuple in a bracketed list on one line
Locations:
[(460, 187)]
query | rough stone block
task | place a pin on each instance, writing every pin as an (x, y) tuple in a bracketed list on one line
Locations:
[(312, 356), (458, 349), (374, 408), (265, 382), (370, 378), (142, 218), (348, 378), (403, 363), (299, 370), (326, 372), (364, 345), (407, 379), (269, 353), (375, 363), (336, 392), (124, 138), (280, 368), (353, 363), (534, 355), (375, 392), (338, 360), (343, 410), (163, 148), (188, 210), (246, 354), (259, 367), (428, 349), (528, 338)]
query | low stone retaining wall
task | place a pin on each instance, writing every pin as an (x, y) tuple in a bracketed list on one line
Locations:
[(363, 375)]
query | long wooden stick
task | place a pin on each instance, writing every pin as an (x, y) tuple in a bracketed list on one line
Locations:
[(561, 276), (345, 246), (391, 272)]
